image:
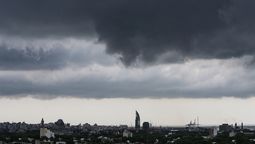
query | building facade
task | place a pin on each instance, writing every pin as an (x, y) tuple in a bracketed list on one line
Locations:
[(137, 120)]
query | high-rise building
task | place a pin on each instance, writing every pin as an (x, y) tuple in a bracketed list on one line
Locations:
[(146, 125), (137, 120), (236, 127)]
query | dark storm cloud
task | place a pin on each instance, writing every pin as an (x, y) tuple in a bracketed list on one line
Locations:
[(147, 29), (44, 18), (32, 59), (54, 55), (143, 29)]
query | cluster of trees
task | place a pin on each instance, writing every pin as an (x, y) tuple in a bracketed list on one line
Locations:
[(159, 137), (10, 137)]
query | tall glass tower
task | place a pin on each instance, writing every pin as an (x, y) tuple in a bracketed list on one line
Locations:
[(137, 120)]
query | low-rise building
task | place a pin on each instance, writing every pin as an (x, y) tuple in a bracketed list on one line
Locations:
[(213, 132), (60, 142), (225, 128), (127, 133), (44, 132)]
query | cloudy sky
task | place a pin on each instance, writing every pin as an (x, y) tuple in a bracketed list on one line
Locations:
[(103, 53)]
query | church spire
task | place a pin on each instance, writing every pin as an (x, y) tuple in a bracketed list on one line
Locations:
[(42, 123)]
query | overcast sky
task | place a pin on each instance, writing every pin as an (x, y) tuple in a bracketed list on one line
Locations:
[(134, 49), (130, 49)]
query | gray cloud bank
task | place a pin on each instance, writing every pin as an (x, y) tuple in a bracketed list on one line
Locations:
[(172, 48), (196, 79), (140, 30)]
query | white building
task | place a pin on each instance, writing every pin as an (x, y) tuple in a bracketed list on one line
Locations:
[(61, 142), (44, 132), (232, 134), (127, 134), (213, 132)]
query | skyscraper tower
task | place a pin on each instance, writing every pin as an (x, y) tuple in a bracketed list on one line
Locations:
[(137, 120)]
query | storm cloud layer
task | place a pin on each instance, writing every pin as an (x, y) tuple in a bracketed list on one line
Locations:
[(127, 48), (140, 30)]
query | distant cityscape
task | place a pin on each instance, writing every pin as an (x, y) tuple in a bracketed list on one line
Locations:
[(60, 132)]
